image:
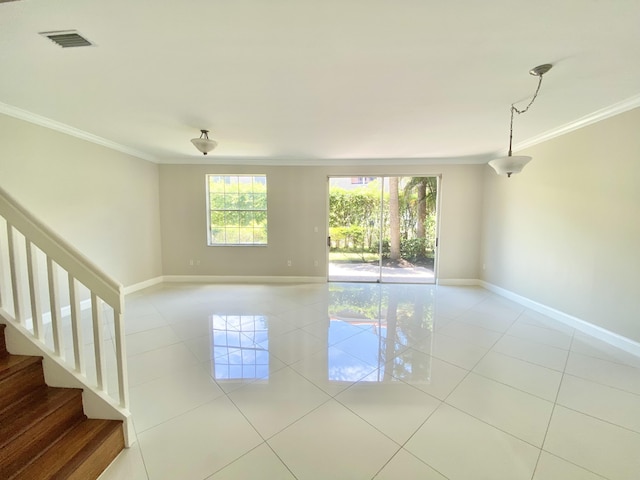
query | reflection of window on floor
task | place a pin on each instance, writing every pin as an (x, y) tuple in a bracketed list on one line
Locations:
[(240, 347), (363, 352), (373, 356)]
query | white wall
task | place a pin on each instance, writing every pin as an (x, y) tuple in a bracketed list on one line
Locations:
[(298, 202), (103, 202), (566, 232)]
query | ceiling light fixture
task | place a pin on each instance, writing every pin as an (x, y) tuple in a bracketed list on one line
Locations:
[(515, 163), (204, 143)]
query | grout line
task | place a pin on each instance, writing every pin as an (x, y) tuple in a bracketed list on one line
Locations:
[(401, 445), (600, 419), (493, 426), (553, 409), (637, 394), (512, 387), (386, 463), (574, 464), (280, 458), (610, 360), (468, 371), (528, 361)]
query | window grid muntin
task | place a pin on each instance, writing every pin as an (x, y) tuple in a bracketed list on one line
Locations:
[(238, 218)]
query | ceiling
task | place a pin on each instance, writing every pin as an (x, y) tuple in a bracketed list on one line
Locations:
[(318, 81)]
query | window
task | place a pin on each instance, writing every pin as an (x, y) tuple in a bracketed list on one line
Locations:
[(237, 209)]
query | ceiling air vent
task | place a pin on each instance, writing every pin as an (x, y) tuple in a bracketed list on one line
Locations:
[(67, 38)]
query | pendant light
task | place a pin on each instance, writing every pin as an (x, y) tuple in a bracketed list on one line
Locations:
[(204, 143), (515, 163)]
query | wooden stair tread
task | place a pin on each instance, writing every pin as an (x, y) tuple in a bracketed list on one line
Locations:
[(21, 416), (67, 457), (14, 363), (45, 434), (20, 375)]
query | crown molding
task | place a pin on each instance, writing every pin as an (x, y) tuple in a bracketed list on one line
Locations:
[(597, 116), (324, 162), (27, 116)]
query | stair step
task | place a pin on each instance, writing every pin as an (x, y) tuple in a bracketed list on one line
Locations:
[(81, 454), (3, 345), (45, 434), (19, 375), (32, 424)]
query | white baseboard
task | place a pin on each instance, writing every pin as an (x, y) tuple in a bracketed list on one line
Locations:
[(142, 285), (612, 338), (458, 282), (240, 279)]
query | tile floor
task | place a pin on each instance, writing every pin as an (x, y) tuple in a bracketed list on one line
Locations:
[(369, 381)]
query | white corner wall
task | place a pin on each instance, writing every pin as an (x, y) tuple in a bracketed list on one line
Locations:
[(297, 205), (566, 232), (103, 202)]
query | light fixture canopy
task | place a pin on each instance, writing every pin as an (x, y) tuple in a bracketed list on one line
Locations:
[(204, 143), (515, 163)]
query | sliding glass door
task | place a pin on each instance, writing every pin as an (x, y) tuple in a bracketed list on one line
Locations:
[(382, 229)]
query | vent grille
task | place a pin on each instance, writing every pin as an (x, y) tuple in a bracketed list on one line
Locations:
[(67, 38)]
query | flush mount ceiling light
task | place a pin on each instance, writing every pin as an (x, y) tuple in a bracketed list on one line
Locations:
[(515, 163), (204, 143)]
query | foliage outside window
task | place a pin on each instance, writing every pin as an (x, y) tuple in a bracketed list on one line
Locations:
[(355, 225), (237, 209)]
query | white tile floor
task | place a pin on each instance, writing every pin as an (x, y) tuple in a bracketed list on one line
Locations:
[(363, 381)]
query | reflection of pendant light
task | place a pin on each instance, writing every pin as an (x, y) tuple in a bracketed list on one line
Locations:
[(204, 143), (514, 164)]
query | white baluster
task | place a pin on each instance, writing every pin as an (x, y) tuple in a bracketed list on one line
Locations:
[(121, 355), (96, 314), (34, 291), (76, 325), (54, 304), (15, 277)]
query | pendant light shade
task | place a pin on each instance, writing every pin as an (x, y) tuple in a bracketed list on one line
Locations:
[(510, 164), (204, 143), (515, 163)]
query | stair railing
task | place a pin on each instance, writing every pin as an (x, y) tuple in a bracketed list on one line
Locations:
[(76, 294)]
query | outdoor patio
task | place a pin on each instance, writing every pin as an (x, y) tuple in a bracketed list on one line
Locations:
[(370, 272)]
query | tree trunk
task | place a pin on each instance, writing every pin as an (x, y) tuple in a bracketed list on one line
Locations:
[(394, 218), (422, 209)]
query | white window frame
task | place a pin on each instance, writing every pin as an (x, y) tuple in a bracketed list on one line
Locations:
[(210, 211)]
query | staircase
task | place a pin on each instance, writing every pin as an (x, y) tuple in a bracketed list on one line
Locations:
[(44, 433)]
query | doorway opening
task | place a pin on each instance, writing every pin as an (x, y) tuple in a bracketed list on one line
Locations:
[(383, 229)]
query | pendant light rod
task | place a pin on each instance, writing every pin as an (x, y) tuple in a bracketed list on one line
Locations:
[(538, 71), (514, 164)]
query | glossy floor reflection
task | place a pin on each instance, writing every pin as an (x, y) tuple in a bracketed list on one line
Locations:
[(363, 381)]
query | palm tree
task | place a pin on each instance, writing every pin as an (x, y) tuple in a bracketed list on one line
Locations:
[(394, 218), (427, 190)]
